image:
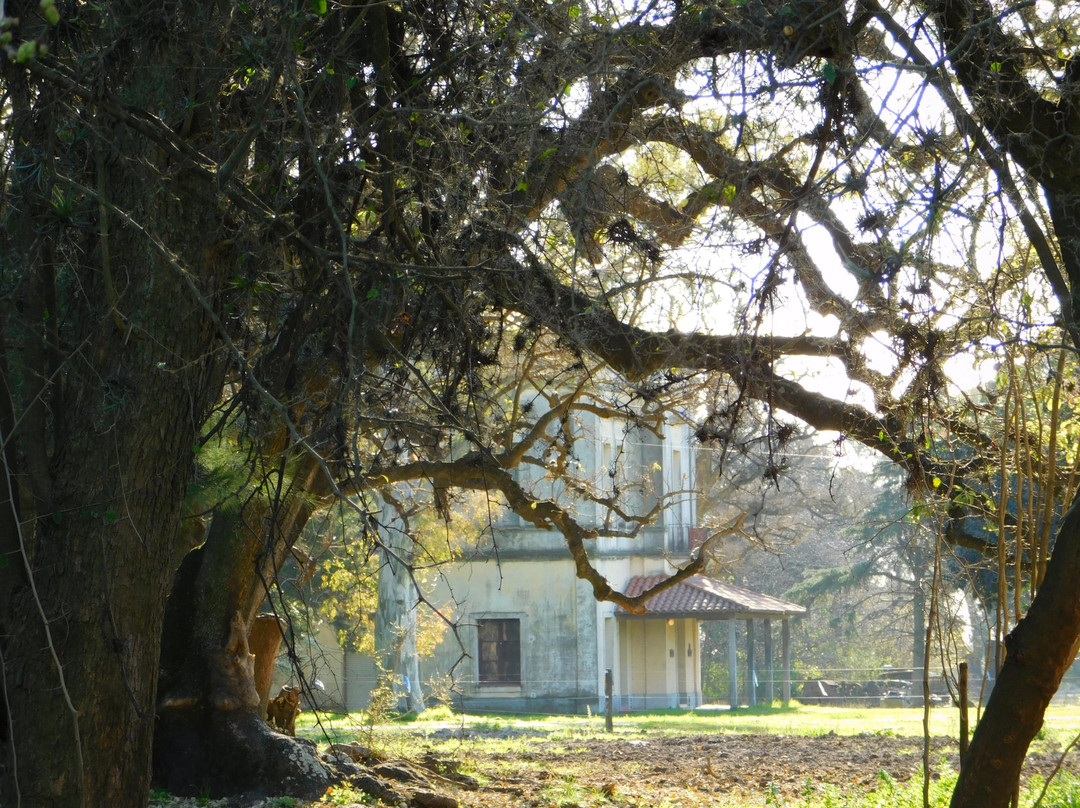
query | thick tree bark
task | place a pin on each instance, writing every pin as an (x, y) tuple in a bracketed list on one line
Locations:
[(215, 742), (83, 604), (212, 736), (101, 480), (1038, 652), (81, 729), (116, 364)]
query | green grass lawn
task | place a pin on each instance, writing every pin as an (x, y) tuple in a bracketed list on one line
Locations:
[(1061, 726)]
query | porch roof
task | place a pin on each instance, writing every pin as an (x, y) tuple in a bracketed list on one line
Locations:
[(706, 599)]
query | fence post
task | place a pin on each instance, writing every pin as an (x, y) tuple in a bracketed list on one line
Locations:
[(609, 686)]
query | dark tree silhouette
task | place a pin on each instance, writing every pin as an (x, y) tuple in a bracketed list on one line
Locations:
[(345, 237)]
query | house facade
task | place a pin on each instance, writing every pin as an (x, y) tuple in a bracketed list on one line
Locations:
[(532, 638), (529, 636)]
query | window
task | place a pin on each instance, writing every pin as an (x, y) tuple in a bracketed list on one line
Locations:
[(499, 651)]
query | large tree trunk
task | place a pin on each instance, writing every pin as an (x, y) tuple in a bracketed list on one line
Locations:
[(107, 408), (215, 742), (1038, 652), (80, 658), (94, 552), (212, 737)]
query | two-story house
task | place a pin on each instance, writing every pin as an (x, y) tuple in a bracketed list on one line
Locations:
[(532, 638)]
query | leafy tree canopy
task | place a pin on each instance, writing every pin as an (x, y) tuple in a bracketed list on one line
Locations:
[(369, 236)]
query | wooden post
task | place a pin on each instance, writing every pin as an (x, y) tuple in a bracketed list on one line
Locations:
[(962, 687), (733, 666), (751, 670), (770, 688), (609, 687)]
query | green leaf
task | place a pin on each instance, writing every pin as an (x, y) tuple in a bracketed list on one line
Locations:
[(372, 294), (27, 51), (318, 6), (829, 72), (574, 12)]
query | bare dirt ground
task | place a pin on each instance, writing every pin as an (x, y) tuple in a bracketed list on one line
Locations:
[(519, 768), (689, 770)]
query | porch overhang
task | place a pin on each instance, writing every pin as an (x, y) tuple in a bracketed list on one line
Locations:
[(704, 598), (701, 598)]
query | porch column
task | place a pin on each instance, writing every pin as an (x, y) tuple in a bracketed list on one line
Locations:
[(751, 670), (671, 663), (733, 666), (770, 690), (785, 654), (696, 645)]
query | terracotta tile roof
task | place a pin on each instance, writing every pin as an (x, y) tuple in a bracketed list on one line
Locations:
[(705, 598)]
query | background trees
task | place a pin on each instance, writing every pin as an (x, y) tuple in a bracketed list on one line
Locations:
[(836, 531), (349, 233)]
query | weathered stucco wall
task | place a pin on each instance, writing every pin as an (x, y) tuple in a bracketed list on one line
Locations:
[(558, 633), (567, 639)]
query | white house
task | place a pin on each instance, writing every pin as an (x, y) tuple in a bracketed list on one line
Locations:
[(531, 637)]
